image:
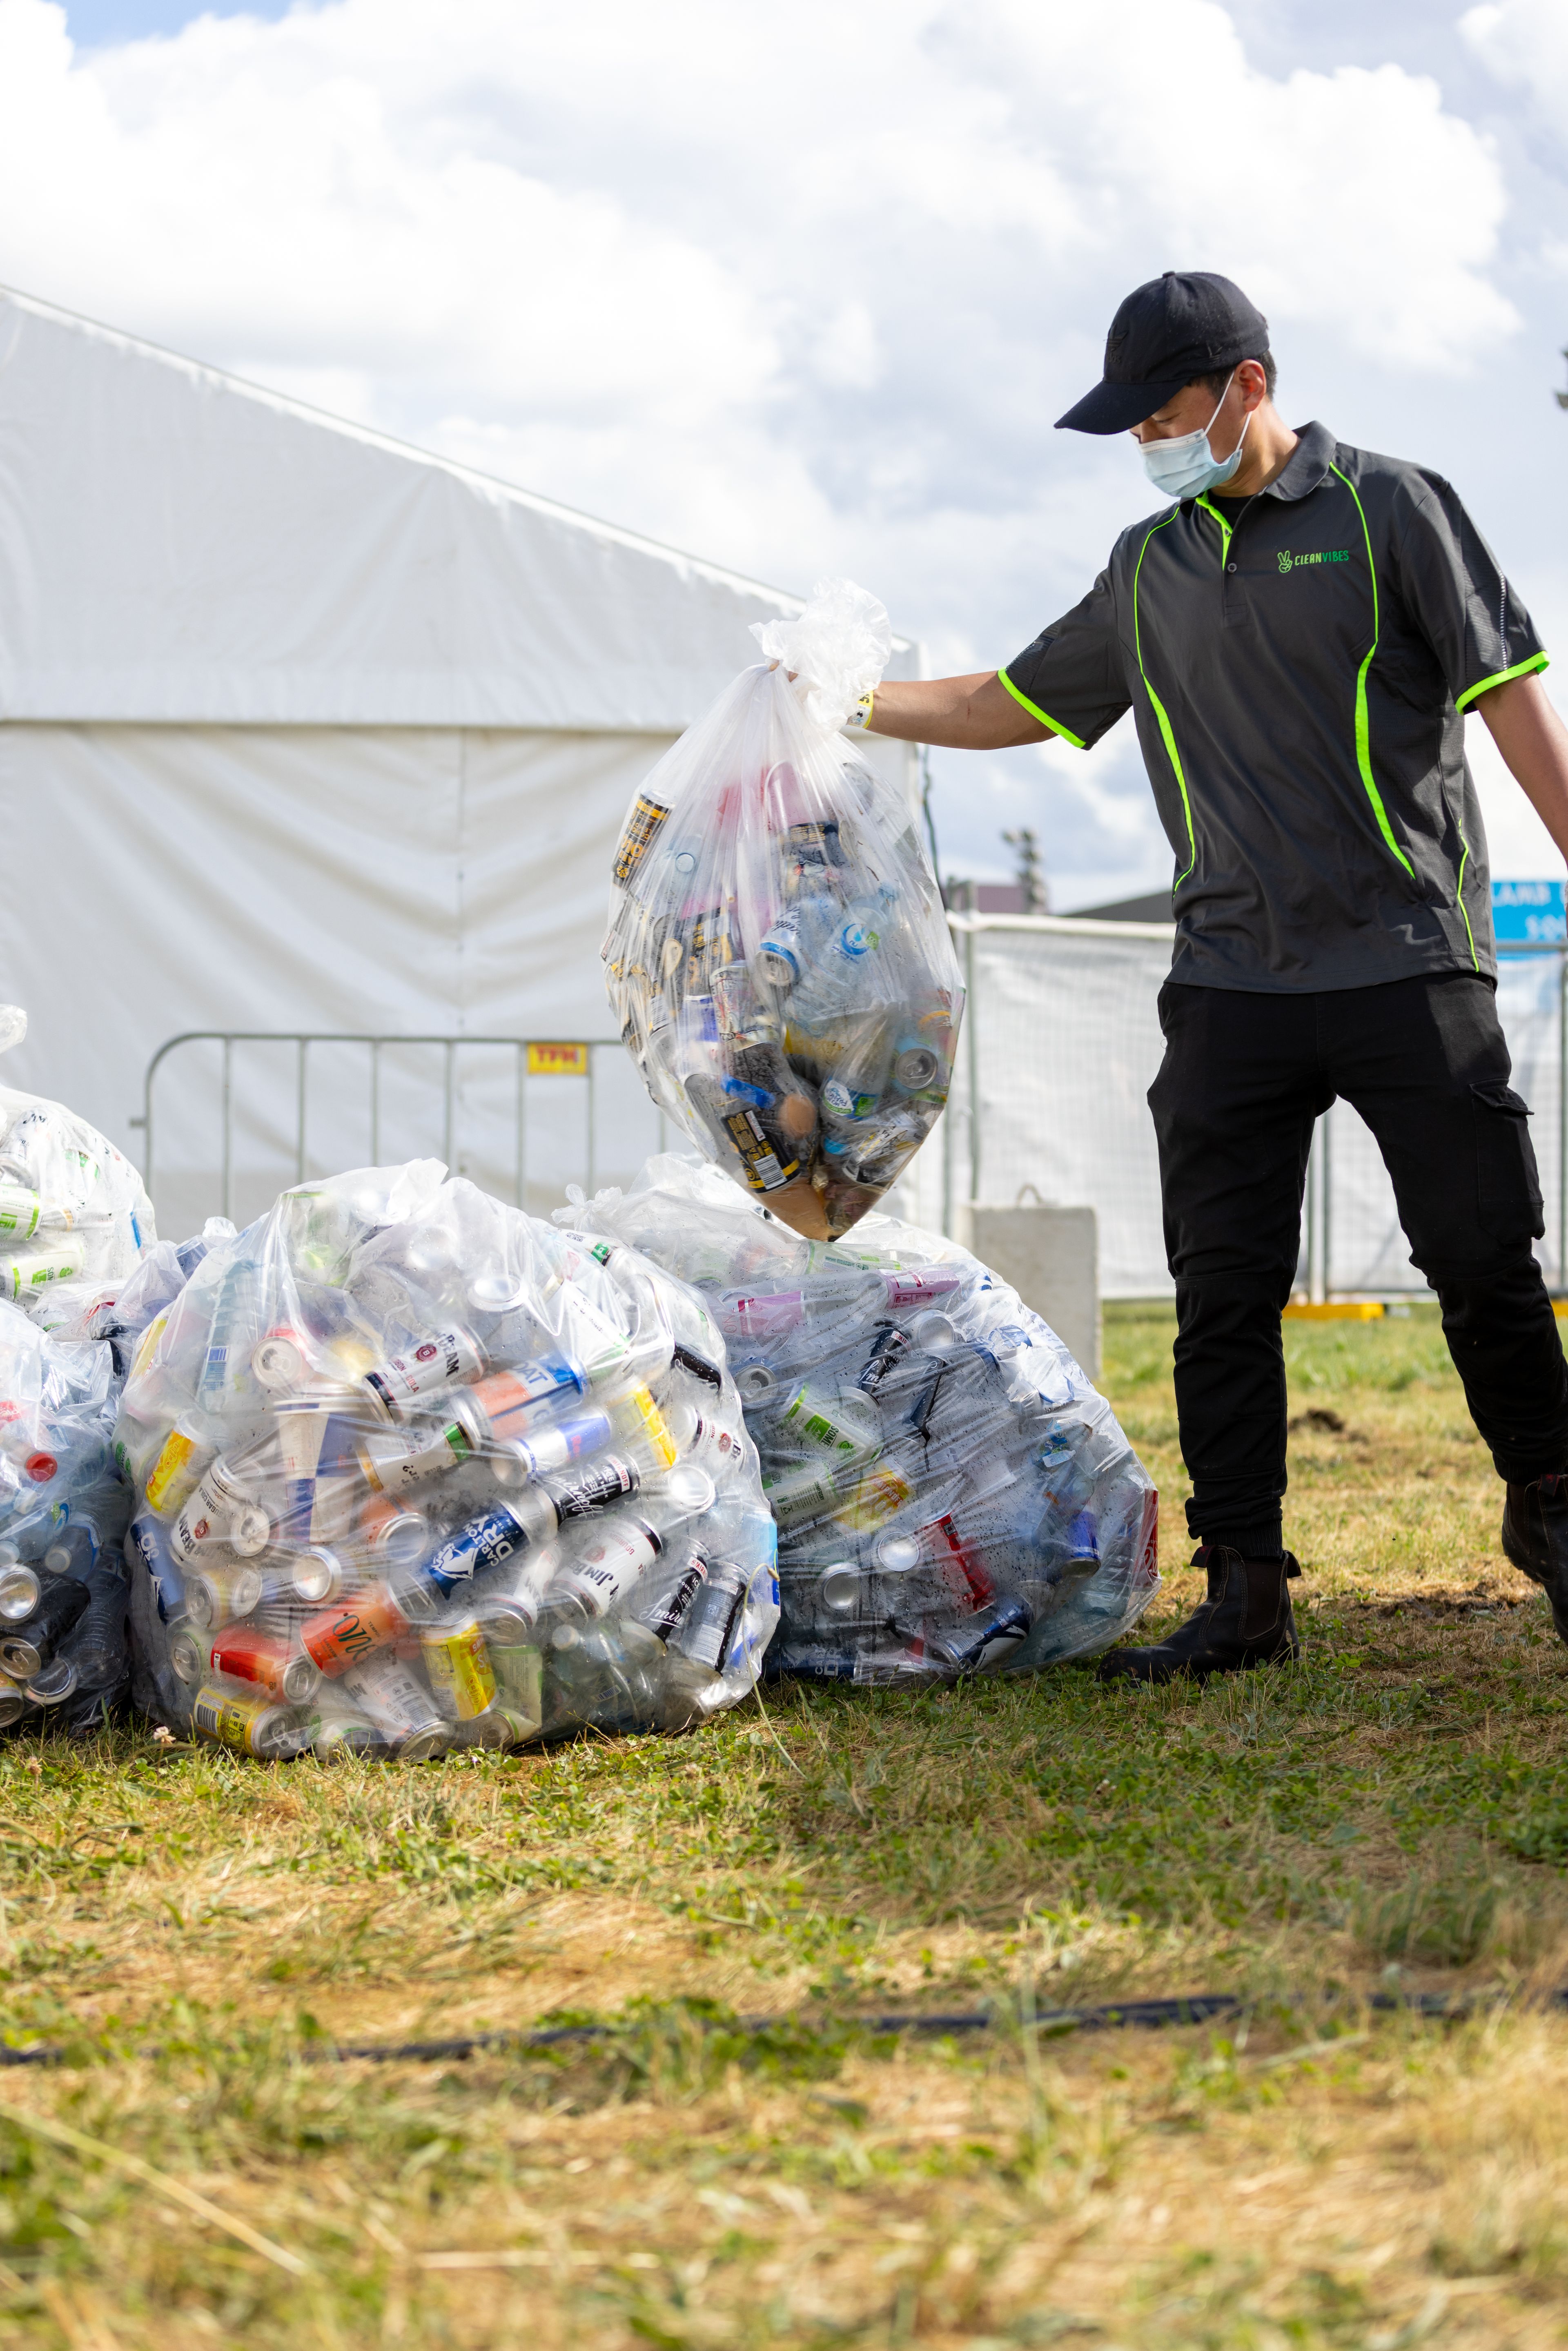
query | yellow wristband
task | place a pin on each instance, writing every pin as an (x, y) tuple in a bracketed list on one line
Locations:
[(860, 716)]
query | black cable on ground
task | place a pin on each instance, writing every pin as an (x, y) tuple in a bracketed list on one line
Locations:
[(1142, 2015)]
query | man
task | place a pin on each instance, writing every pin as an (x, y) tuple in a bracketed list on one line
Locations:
[(1298, 636)]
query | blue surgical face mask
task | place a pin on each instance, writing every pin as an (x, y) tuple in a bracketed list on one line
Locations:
[(1186, 466)]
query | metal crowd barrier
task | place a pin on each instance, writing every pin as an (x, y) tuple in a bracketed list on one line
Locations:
[(532, 1057)]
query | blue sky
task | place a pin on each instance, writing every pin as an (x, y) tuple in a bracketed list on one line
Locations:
[(810, 305)]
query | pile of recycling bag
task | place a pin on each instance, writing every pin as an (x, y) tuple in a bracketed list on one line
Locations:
[(74, 1215), (75, 1228), (777, 959), (398, 1469), (416, 1471), (951, 1493)]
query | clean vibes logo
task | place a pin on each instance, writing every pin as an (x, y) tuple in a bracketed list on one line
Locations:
[(1289, 562)]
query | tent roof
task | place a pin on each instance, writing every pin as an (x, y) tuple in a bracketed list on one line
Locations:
[(177, 545)]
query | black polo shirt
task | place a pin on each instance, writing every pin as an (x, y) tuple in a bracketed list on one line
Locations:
[(1299, 664)]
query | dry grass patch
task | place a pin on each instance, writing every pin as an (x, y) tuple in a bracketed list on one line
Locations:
[(1394, 1816)]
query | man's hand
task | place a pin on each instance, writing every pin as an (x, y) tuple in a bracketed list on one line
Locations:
[(960, 713), (1534, 743)]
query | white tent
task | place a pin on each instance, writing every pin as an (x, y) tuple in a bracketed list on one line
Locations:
[(302, 729)]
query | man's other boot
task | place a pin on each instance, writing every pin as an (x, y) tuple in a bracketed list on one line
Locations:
[(1245, 1621), (1536, 1537)]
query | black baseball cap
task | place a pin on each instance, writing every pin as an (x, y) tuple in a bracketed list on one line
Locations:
[(1187, 323)]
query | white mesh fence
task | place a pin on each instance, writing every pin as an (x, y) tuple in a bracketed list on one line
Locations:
[(1061, 1044)]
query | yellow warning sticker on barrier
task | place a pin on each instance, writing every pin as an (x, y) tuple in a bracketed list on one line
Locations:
[(558, 1061)]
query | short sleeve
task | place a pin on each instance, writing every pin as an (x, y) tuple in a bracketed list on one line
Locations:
[(1460, 599), (1070, 677)]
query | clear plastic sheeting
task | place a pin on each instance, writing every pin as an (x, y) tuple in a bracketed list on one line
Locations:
[(64, 1603), (74, 1216), (777, 959), (952, 1495), (415, 1470)]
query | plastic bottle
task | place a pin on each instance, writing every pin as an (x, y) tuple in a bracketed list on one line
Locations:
[(29, 1645), (233, 1335), (97, 1644)]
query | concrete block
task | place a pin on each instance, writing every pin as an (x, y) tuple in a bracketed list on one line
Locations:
[(1051, 1258)]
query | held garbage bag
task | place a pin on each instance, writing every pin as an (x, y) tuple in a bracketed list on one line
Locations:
[(64, 1602), (777, 959), (74, 1215), (414, 1470), (952, 1495)]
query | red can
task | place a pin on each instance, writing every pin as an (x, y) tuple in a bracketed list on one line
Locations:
[(269, 1660), (963, 1567), (339, 1637)]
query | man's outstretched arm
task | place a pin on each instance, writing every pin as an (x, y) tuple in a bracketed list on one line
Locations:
[(960, 713), (1534, 743)]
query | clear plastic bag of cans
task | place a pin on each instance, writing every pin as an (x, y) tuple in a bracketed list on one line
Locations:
[(952, 1495), (64, 1599), (74, 1215), (415, 1470), (777, 958)]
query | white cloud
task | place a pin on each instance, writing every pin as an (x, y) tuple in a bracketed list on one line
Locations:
[(804, 296), (1525, 44)]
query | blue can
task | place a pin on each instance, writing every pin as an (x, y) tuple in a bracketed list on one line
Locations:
[(488, 1540), (146, 1543), (987, 1638)]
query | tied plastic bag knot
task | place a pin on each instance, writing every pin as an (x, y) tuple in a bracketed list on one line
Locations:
[(836, 650)]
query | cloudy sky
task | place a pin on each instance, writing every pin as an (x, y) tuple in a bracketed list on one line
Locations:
[(802, 290)]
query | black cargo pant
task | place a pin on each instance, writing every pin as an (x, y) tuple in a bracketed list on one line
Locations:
[(1243, 1079)]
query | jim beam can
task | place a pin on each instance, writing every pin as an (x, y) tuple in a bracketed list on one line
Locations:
[(458, 1662), (257, 1726), (605, 1568), (447, 1357), (222, 1511)]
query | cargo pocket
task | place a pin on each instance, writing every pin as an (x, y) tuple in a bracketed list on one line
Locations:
[(1507, 1191)]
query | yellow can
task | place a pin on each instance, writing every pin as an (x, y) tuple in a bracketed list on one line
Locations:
[(462, 1678), (257, 1726), (877, 1496), (648, 1423), (177, 1472), (147, 1345)]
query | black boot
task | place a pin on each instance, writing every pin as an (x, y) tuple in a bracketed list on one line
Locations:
[(1536, 1537), (1246, 1621)]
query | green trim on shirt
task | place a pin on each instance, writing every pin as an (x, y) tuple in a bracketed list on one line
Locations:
[(1167, 731), (1055, 725), (1500, 678), (1363, 723)]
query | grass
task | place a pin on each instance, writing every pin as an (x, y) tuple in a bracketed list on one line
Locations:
[(1394, 1815)]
